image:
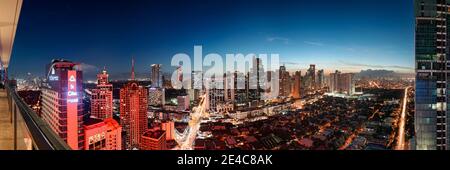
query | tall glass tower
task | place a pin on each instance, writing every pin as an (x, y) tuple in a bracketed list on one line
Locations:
[(432, 72)]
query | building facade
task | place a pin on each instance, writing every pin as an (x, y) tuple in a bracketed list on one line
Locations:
[(102, 134), (62, 105), (432, 65), (102, 97), (133, 112), (153, 140), (156, 76)]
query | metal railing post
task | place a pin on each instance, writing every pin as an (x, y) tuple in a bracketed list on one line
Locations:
[(15, 127)]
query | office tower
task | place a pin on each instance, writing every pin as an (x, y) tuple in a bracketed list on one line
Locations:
[(320, 78), (311, 76), (297, 83), (214, 96), (113, 134), (183, 102), (62, 105), (431, 55), (334, 81), (196, 85), (285, 82), (342, 83), (230, 82), (133, 111), (256, 79), (156, 76), (153, 139), (347, 84), (156, 97), (102, 97), (169, 127), (102, 134)]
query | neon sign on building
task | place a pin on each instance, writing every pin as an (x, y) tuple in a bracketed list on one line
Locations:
[(72, 109)]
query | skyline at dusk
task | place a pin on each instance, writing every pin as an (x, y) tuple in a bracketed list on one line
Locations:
[(348, 35), (244, 79)]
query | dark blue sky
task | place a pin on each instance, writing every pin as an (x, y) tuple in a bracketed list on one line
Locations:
[(347, 34)]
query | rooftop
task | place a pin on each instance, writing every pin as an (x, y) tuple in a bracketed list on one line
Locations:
[(154, 134)]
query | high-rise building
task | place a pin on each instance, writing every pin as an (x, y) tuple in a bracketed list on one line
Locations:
[(334, 81), (156, 97), (102, 97), (432, 71), (156, 76), (196, 86), (342, 83), (214, 96), (62, 105), (169, 127), (153, 139), (320, 79), (183, 102), (256, 79), (285, 82), (311, 76), (133, 111), (102, 134), (297, 85)]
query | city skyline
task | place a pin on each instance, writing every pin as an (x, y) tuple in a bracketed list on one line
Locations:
[(112, 38), (147, 75)]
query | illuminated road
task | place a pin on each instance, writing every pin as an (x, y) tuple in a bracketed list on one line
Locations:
[(350, 139), (401, 129), (194, 126)]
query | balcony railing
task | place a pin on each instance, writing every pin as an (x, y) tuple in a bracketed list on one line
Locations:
[(30, 131)]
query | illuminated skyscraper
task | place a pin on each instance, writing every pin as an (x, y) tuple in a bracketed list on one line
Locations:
[(320, 78), (285, 82), (311, 76), (342, 83), (62, 105), (432, 72), (156, 76), (214, 96), (101, 98), (133, 111), (156, 97), (153, 140), (297, 84), (169, 127), (183, 102), (102, 134)]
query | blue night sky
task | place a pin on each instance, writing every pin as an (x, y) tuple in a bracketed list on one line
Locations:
[(348, 35)]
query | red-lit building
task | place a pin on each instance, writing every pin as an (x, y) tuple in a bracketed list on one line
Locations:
[(133, 111), (62, 105), (169, 127), (102, 134), (102, 97), (153, 139)]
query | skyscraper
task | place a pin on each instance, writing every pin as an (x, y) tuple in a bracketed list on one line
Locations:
[(133, 111), (432, 56), (156, 76), (102, 97), (214, 96), (342, 83), (102, 134), (153, 139), (297, 84), (311, 76), (62, 105), (156, 97), (285, 83), (320, 78)]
